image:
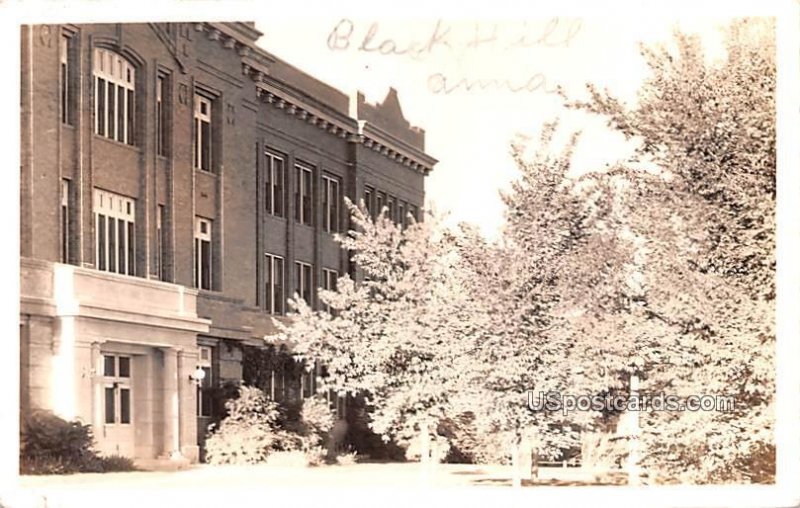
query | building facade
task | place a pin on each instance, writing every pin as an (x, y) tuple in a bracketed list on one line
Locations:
[(178, 184)]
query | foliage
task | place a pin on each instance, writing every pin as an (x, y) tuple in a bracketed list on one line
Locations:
[(347, 459), (250, 431), (705, 224), (398, 334), (52, 445)]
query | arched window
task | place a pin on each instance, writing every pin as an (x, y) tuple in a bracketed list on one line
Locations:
[(114, 96)]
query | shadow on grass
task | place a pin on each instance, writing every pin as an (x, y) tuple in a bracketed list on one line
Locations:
[(553, 482)]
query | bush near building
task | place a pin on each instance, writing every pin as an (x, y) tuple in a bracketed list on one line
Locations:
[(52, 445)]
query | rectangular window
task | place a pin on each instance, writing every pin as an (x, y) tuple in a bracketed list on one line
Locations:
[(202, 132), (380, 203), (124, 366), (202, 253), (160, 244), (67, 101), (368, 193), (65, 211), (118, 400), (109, 365), (329, 278), (113, 96), (204, 401), (110, 409), (303, 281), (303, 194), (401, 212), (330, 204), (115, 240), (274, 185), (274, 277), (161, 116), (124, 405), (412, 212), (392, 209)]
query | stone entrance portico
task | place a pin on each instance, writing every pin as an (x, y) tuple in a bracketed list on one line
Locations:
[(113, 351)]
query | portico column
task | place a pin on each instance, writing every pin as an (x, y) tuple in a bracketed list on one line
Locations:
[(172, 434), (97, 390)]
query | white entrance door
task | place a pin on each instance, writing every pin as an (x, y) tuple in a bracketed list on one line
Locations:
[(118, 429)]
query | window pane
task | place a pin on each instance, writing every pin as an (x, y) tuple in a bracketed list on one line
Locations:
[(101, 242), (335, 207), (326, 184), (109, 404), (279, 286), (100, 113), (205, 255), (268, 187), (307, 198), (131, 250), (124, 366), (108, 366), (307, 283), (130, 116), (297, 203), (298, 282), (112, 244), (64, 94), (122, 250), (112, 99), (125, 405), (120, 115), (205, 143), (278, 185)]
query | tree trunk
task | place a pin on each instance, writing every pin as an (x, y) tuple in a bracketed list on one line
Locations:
[(425, 443), (516, 477)]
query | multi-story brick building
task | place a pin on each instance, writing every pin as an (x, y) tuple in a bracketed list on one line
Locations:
[(178, 184)]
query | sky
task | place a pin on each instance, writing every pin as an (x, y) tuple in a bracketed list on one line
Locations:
[(437, 66)]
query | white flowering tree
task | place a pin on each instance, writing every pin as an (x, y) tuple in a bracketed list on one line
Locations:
[(563, 259), (399, 335), (706, 223)]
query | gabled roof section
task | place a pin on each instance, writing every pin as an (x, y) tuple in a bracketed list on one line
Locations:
[(388, 117)]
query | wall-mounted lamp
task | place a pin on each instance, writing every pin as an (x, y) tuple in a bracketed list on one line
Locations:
[(198, 376)]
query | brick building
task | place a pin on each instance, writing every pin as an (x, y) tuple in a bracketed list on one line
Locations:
[(178, 184)]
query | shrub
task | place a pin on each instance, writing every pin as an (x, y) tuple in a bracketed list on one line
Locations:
[(347, 459), (52, 445), (248, 433), (116, 463), (316, 420)]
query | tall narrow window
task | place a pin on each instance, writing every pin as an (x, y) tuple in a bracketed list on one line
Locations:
[(401, 213), (67, 101), (330, 204), (65, 231), (202, 253), (274, 185), (162, 110), (274, 284), (329, 278), (303, 194), (204, 395), (160, 244), (413, 213), (114, 99), (380, 202), (115, 242), (392, 209), (202, 132), (368, 193), (303, 281)]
